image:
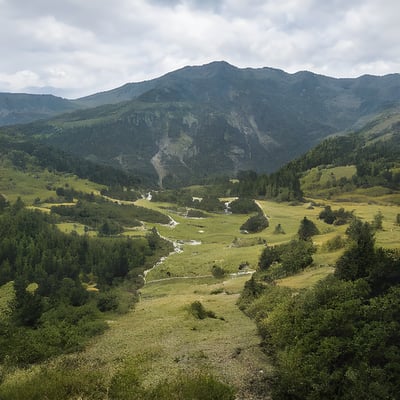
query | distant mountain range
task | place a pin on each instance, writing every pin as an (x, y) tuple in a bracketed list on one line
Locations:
[(206, 120)]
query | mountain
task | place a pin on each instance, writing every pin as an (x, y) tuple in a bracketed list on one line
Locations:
[(19, 108), (215, 119)]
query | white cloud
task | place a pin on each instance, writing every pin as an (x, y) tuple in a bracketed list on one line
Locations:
[(81, 47)]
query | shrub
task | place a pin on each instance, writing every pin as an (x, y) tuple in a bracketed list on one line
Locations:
[(307, 229), (198, 311), (195, 214), (243, 206), (218, 272), (335, 243), (255, 224)]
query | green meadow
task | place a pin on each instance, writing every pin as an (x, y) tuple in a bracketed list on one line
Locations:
[(160, 335)]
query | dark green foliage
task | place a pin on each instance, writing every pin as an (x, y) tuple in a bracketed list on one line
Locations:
[(218, 272), (110, 228), (269, 255), (288, 258), (332, 342), (256, 223), (210, 204), (107, 301), (195, 214), (199, 312), (279, 230), (307, 229), (243, 205), (336, 243), (283, 185), (339, 339), (377, 223), (3, 203), (100, 212), (356, 262), (251, 291), (296, 255), (336, 217), (120, 193), (24, 152), (53, 312)]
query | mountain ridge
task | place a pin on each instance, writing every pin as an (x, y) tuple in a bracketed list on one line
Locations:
[(215, 119)]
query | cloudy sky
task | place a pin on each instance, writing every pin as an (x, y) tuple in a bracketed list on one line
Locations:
[(73, 48)]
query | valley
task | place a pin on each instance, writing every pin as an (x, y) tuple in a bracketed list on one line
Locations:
[(216, 233), (161, 337)]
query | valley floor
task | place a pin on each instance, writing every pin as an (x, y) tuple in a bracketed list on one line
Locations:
[(162, 335)]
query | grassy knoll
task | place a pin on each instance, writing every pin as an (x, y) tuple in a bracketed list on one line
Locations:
[(39, 184)]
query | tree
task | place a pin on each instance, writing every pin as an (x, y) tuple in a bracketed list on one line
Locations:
[(269, 255), (307, 229), (359, 258), (378, 219)]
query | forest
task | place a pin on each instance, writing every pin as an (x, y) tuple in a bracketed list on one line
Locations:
[(63, 283)]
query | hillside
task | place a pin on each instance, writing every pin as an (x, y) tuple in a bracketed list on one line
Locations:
[(19, 108), (216, 119)]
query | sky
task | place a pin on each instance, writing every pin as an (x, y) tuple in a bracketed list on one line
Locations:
[(73, 48)]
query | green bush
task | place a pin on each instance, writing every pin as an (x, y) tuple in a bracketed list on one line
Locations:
[(199, 312), (218, 272), (243, 205), (254, 224)]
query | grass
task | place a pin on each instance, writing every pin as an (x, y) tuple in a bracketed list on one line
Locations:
[(7, 296), (162, 336), (309, 277), (169, 340), (34, 184)]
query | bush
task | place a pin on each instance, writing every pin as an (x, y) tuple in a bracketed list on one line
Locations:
[(107, 301), (218, 272), (335, 243), (198, 311), (255, 224), (195, 214), (307, 229), (243, 206)]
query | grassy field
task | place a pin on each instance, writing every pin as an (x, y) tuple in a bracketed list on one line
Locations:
[(40, 184), (162, 336), (167, 340)]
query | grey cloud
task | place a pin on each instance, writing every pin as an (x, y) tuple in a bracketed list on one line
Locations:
[(82, 47)]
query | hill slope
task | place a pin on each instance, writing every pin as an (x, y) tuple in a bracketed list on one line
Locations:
[(18, 108), (216, 119)]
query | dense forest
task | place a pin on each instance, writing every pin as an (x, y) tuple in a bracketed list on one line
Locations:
[(339, 339), (61, 283), (26, 154)]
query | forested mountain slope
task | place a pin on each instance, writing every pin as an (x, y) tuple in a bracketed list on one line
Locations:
[(216, 119)]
